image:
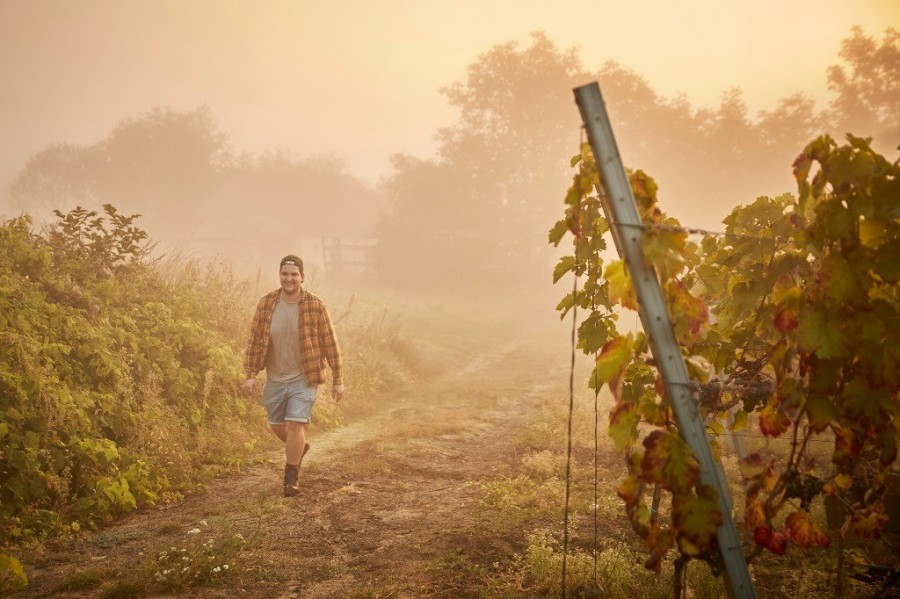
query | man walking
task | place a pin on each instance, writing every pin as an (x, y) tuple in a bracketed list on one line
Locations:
[(292, 338)]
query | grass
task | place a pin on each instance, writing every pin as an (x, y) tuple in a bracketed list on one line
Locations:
[(83, 580), (123, 589), (528, 501)]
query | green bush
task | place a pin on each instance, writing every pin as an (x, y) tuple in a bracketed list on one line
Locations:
[(119, 376)]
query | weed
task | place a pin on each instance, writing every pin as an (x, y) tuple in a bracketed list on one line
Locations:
[(113, 538), (198, 561), (81, 580), (521, 498), (544, 465), (169, 528), (124, 589)]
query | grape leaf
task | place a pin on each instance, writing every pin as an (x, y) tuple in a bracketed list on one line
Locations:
[(804, 532), (773, 422), (774, 541), (621, 291), (696, 517), (612, 359), (558, 232), (669, 460), (623, 421), (820, 411), (565, 264), (820, 335)]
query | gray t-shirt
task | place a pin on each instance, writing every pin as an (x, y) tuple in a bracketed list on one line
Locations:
[(283, 362)]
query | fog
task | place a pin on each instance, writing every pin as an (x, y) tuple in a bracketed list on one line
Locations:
[(418, 145)]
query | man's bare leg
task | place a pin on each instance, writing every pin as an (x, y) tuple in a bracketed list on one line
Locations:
[(294, 442), (279, 431), (294, 447)]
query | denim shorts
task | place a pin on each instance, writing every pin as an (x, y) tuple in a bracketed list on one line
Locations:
[(289, 401)]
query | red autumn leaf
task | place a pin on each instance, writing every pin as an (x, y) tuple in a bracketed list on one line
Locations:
[(778, 543), (761, 534), (775, 541), (754, 515), (804, 532), (773, 422), (786, 320)]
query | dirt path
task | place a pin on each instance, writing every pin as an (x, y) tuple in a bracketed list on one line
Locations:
[(391, 505)]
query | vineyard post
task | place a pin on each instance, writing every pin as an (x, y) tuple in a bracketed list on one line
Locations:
[(621, 210)]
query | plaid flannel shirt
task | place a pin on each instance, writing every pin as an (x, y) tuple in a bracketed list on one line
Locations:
[(318, 343)]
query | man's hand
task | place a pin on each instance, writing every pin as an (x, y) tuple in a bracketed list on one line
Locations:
[(337, 392), (250, 385)]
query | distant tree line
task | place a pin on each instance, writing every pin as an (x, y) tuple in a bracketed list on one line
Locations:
[(178, 170), (478, 210), (482, 205)]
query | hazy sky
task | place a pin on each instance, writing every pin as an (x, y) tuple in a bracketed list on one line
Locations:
[(361, 79)]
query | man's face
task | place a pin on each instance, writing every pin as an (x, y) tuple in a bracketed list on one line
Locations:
[(291, 277)]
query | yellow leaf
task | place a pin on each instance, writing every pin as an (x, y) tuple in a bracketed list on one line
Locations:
[(871, 232), (843, 481), (715, 427), (621, 291), (740, 421)]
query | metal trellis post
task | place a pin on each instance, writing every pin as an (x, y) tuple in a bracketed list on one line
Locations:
[(621, 209)]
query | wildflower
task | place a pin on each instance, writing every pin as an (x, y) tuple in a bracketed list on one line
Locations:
[(203, 523), (217, 569), (193, 531), (225, 566)]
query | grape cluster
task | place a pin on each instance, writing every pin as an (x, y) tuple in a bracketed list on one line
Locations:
[(803, 486), (709, 394)]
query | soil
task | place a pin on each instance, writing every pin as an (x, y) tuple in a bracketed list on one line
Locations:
[(390, 503)]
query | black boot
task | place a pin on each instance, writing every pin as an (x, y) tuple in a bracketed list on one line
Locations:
[(291, 483)]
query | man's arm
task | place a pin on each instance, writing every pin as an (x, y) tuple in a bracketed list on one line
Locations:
[(253, 356), (332, 352)]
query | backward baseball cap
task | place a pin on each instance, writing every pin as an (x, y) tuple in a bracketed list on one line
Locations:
[(292, 260)]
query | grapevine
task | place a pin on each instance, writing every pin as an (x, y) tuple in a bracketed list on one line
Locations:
[(789, 315)]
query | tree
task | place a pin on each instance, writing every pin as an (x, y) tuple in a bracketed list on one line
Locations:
[(868, 88), (162, 163), (472, 212), (177, 170), (54, 178)]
